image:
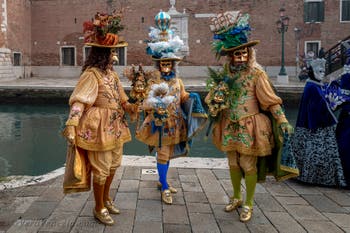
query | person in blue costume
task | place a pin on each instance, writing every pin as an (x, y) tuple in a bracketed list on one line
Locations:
[(173, 115), (314, 141), (342, 85)]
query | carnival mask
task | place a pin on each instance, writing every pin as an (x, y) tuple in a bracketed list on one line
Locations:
[(240, 57), (318, 66), (139, 86), (166, 66), (114, 56)]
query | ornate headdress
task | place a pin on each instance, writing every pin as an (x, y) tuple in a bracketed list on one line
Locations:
[(231, 30), (103, 30), (163, 45)]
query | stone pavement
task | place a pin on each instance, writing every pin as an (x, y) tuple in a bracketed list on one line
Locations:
[(287, 206)]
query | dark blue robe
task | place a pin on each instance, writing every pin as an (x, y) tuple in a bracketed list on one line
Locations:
[(314, 142)]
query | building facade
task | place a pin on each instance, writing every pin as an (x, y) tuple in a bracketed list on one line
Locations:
[(48, 33)]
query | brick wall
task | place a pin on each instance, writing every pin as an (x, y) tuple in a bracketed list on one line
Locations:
[(58, 23)]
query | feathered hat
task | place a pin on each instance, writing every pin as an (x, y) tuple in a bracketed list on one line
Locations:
[(231, 30), (103, 30), (162, 44)]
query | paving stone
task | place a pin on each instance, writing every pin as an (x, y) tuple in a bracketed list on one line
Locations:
[(115, 183), (148, 210), (39, 210), (191, 187), (124, 222), (175, 214), (153, 177), (304, 213), (324, 204), (126, 201), (178, 198), (341, 198), (195, 197), (129, 186), (219, 198), (227, 186), (148, 227), (149, 194), (203, 223), (25, 226), (32, 190), (131, 173), (148, 184), (221, 174), (342, 220), (199, 208), (88, 208), (20, 204), (284, 222), (220, 213), (260, 189), (73, 202), (8, 219), (52, 194), (87, 225), (302, 188), (291, 201), (320, 227), (188, 178), (208, 181), (186, 171), (172, 173), (176, 228), (59, 222), (232, 225), (279, 189), (266, 202)]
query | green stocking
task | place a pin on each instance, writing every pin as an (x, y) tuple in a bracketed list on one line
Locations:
[(236, 176), (250, 183)]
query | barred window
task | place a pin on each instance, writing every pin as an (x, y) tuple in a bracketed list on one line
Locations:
[(344, 10), (313, 11), (68, 56), (17, 57)]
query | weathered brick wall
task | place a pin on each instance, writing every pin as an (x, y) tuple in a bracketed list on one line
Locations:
[(56, 23), (19, 28)]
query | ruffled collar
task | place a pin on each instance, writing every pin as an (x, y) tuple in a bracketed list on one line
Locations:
[(169, 76)]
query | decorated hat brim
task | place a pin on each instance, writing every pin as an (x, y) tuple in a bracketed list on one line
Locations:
[(224, 50), (167, 59), (119, 45)]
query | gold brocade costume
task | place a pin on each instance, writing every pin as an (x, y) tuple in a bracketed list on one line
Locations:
[(243, 128), (174, 129), (100, 97)]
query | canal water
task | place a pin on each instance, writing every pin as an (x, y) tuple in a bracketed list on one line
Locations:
[(31, 141)]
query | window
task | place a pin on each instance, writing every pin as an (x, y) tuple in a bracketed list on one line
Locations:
[(344, 10), (68, 56), (17, 57), (86, 52), (312, 46), (313, 11), (122, 56)]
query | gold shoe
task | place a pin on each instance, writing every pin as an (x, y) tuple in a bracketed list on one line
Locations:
[(171, 188), (246, 213), (112, 209), (234, 204), (166, 197), (104, 217)]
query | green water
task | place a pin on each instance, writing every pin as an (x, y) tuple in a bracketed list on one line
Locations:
[(31, 143)]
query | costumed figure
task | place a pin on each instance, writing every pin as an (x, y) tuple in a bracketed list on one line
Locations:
[(173, 115), (314, 141), (96, 128), (339, 98), (240, 95)]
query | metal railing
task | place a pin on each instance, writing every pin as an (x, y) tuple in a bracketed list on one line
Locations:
[(336, 57)]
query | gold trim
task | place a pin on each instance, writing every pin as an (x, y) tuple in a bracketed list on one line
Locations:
[(248, 44), (122, 44)]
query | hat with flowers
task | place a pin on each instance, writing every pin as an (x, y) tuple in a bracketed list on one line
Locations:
[(103, 30)]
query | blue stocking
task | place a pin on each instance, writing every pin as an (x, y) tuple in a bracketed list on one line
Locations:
[(162, 171)]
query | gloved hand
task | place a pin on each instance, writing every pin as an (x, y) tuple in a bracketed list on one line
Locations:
[(335, 100), (69, 133), (286, 128)]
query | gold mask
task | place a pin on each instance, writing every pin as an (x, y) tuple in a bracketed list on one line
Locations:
[(166, 66), (240, 57), (114, 56)]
